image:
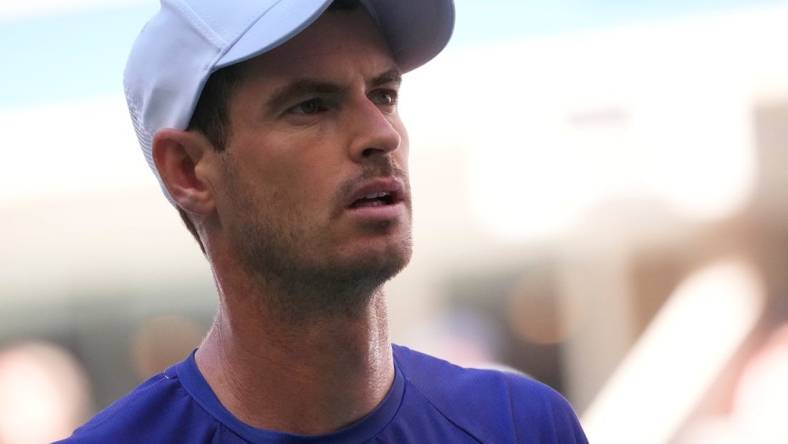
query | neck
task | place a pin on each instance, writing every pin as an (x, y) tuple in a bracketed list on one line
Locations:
[(282, 373)]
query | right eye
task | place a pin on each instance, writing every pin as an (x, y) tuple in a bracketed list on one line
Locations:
[(311, 106)]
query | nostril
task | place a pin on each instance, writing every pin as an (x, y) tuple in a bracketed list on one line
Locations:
[(369, 152)]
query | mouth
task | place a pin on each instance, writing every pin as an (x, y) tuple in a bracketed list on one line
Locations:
[(375, 200), (378, 194)]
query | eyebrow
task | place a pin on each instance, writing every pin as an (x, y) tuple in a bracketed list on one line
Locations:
[(304, 87), (391, 76)]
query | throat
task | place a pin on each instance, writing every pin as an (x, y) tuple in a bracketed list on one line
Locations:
[(297, 392)]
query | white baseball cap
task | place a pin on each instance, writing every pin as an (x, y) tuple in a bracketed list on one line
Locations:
[(188, 40)]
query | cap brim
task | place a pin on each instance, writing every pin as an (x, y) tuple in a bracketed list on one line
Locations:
[(416, 30)]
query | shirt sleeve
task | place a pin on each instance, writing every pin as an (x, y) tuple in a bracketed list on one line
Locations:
[(542, 415)]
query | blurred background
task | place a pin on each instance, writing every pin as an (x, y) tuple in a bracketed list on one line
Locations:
[(601, 202)]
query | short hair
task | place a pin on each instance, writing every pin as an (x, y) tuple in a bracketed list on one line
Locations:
[(211, 114)]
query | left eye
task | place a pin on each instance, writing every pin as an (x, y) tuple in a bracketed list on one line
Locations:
[(385, 97), (312, 106)]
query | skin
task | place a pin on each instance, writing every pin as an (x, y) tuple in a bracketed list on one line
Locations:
[(299, 277)]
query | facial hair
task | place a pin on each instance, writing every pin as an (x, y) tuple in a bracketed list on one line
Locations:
[(284, 251)]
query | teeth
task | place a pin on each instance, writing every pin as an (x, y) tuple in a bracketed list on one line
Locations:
[(375, 195)]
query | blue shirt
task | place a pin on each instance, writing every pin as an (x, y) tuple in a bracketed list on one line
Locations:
[(430, 401)]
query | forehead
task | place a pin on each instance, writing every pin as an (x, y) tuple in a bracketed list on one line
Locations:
[(337, 42)]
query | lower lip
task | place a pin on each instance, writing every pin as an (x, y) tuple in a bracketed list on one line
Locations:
[(380, 212)]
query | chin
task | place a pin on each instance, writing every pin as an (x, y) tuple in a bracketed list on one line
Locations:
[(373, 265), (386, 260), (350, 279)]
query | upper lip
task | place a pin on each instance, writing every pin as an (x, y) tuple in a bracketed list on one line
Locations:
[(390, 185)]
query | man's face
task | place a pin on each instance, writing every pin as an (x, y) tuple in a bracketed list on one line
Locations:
[(313, 183)]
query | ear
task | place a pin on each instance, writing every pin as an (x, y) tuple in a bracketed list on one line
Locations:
[(181, 158)]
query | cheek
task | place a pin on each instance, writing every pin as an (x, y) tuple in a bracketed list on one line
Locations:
[(308, 183), (274, 165), (298, 166)]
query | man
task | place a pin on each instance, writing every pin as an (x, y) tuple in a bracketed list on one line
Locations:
[(291, 172)]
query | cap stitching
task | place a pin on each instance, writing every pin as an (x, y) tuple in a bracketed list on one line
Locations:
[(199, 25), (244, 30)]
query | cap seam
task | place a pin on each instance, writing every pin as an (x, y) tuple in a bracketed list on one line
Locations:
[(242, 33), (373, 12), (199, 25)]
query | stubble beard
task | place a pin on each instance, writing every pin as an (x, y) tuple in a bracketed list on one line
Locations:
[(300, 274)]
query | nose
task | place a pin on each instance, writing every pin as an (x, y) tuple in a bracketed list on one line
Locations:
[(375, 131)]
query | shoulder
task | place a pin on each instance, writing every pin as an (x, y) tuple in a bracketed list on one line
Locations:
[(497, 403), (444, 381), (156, 409)]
